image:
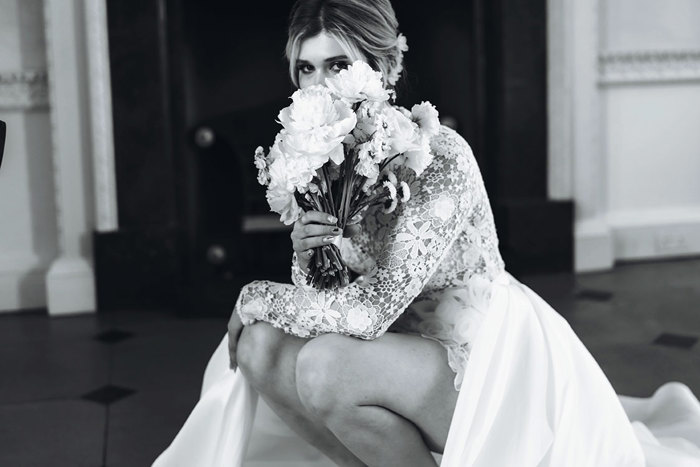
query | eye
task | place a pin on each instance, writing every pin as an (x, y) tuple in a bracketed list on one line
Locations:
[(305, 68), (336, 67)]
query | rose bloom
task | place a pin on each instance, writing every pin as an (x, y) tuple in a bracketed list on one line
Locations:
[(315, 126), (358, 82)]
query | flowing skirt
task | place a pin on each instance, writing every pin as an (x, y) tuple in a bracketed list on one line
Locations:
[(532, 395)]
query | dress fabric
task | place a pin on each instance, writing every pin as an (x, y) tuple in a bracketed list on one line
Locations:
[(530, 394)]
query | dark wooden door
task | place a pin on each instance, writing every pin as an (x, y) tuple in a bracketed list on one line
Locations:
[(235, 81)]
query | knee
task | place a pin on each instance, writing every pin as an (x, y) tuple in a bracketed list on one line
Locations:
[(320, 371), (257, 353)]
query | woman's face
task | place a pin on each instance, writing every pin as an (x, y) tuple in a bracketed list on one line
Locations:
[(320, 57)]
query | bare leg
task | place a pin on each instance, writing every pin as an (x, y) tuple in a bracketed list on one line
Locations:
[(267, 357), (390, 401)]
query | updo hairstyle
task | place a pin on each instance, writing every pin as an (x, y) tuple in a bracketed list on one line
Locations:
[(365, 29)]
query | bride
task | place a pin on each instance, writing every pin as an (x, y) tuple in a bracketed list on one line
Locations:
[(433, 349)]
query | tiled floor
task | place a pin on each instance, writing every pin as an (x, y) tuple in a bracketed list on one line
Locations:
[(113, 388)]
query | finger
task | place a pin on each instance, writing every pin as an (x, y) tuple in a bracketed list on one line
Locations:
[(351, 230), (355, 219), (315, 217), (315, 242), (317, 230)]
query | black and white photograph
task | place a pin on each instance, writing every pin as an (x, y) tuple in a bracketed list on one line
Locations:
[(348, 233)]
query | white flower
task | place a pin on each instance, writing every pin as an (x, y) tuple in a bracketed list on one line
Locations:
[(434, 328), (467, 326), (358, 82), (404, 192), (403, 133), (315, 126), (416, 239), (419, 158), (254, 308), (366, 166), (261, 165), (280, 191), (358, 319), (426, 116), (453, 302), (443, 208), (321, 310)]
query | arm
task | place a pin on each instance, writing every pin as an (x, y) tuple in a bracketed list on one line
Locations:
[(422, 231)]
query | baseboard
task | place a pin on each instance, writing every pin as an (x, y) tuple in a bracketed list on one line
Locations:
[(70, 286), (593, 249), (22, 283), (636, 235), (656, 234)]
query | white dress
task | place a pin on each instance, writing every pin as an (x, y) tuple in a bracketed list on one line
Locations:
[(530, 394)]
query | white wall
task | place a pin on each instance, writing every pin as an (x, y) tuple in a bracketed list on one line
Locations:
[(625, 126), (28, 236)]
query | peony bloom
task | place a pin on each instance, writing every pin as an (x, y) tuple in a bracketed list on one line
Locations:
[(315, 126), (403, 134), (426, 116), (358, 82)]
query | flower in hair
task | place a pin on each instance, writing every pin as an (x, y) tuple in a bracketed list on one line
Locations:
[(401, 47)]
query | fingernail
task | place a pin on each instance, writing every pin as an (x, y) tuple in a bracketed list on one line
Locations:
[(332, 219), (328, 239), (337, 230)]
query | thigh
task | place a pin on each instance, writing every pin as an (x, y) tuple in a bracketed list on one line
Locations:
[(406, 374)]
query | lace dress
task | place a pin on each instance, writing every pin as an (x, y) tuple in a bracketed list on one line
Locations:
[(530, 393), (418, 265)]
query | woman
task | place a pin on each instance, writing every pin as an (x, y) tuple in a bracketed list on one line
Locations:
[(433, 349)]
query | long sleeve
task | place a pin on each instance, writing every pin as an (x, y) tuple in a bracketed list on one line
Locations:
[(414, 239)]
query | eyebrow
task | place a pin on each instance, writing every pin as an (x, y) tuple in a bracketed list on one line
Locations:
[(330, 59)]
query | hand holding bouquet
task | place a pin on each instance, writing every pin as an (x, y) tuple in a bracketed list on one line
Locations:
[(336, 154)]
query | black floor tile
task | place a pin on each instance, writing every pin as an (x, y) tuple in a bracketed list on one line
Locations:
[(67, 433), (676, 340), (592, 294), (108, 394), (113, 336)]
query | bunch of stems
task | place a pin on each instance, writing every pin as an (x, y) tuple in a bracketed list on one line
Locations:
[(343, 198)]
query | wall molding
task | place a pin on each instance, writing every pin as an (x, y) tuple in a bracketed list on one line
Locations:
[(24, 90), (648, 66)]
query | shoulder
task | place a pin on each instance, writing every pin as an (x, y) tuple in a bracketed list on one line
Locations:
[(450, 144)]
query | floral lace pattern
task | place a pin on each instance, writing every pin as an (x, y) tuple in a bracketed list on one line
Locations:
[(423, 267)]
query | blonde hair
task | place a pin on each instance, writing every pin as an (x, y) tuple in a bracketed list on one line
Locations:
[(365, 29)]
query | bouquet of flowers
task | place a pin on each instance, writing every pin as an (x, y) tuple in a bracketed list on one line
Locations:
[(337, 152)]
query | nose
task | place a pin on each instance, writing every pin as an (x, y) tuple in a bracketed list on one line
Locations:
[(320, 77)]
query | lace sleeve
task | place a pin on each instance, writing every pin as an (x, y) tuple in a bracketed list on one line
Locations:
[(415, 239)]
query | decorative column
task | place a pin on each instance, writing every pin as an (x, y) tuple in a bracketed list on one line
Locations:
[(70, 280), (101, 116)]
